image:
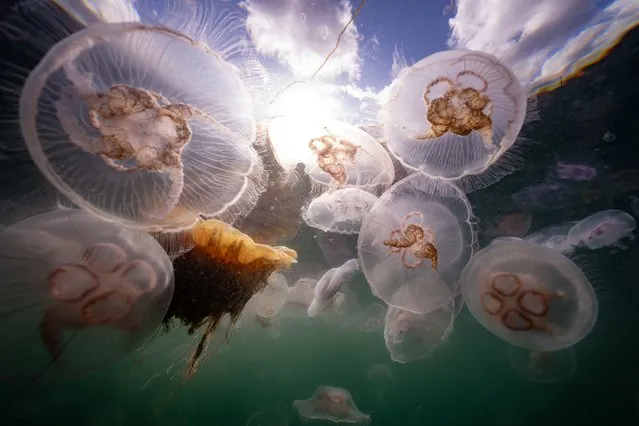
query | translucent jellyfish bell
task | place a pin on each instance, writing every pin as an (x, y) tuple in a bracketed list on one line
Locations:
[(543, 367), (454, 114), (77, 293), (529, 295), (333, 404), (335, 154), (372, 318), (415, 242), (270, 301), (330, 283), (410, 337), (340, 211), (121, 119), (603, 229)]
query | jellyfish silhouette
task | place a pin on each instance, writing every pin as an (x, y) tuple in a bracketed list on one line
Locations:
[(543, 367), (270, 301), (77, 294), (341, 211), (119, 117), (415, 242), (335, 154), (604, 228), (454, 114), (333, 404), (330, 283), (410, 337), (372, 318), (529, 295)]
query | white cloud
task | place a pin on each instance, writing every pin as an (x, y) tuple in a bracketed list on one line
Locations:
[(540, 39), (300, 34)]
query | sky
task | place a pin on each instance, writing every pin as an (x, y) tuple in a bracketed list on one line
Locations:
[(538, 40)]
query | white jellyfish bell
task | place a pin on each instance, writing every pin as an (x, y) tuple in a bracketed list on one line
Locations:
[(335, 154), (132, 120), (329, 285), (341, 211), (453, 114), (415, 242)]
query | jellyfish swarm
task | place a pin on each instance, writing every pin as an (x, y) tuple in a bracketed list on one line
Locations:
[(543, 367), (341, 211), (555, 237), (415, 242), (529, 295), (335, 154), (332, 404), (77, 293), (328, 286), (219, 276), (410, 337), (454, 114), (605, 228), (120, 118)]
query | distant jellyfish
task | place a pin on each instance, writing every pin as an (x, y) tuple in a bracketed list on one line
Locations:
[(382, 378), (330, 283), (555, 237), (410, 337), (217, 278), (268, 418), (270, 301), (543, 367), (454, 114), (119, 117), (572, 171), (332, 404), (77, 294), (609, 136), (415, 242), (336, 248), (604, 228), (511, 225), (344, 310), (529, 295), (341, 211), (301, 294), (335, 154), (552, 196), (372, 318)]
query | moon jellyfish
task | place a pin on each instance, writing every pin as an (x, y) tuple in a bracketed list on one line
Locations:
[(120, 118), (543, 367), (77, 293), (335, 154), (270, 301), (382, 378), (605, 228), (328, 286), (268, 418), (340, 211), (454, 114), (333, 404), (511, 225), (301, 294), (218, 277), (529, 295), (372, 318), (555, 237), (410, 337), (415, 242)]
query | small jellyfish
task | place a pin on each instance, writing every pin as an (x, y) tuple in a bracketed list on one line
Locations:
[(410, 337), (330, 283), (372, 318), (270, 301), (341, 211), (333, 404), (301, 294), (454, 114), (555, 237), (381, 377), (415, 242), (604, 228), (609, 136), (115, 118), (268, 418), (543, 367), (335, 154), (551, 196), (511, 225), (578, 172), (529, 295), (77, 293)]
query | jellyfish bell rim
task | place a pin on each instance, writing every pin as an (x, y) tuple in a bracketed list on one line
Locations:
[(584, 288), (54, 59)]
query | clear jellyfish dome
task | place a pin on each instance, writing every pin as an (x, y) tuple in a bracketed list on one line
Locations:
[(77, 293), (529, 295), (331, 404), (132, 122), (604, 228), (454, 114), (341, 211), (334, 154), (415, 242)]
